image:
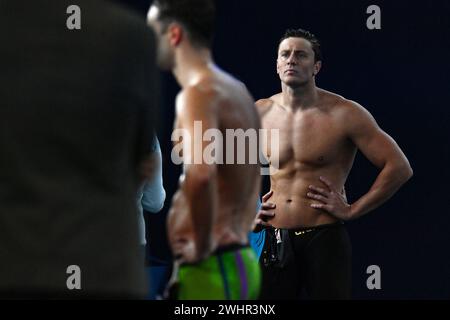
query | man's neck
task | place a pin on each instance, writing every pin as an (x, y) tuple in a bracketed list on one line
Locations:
[(190, 64), (301, 97)]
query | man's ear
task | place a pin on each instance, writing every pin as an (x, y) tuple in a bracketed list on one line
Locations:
[(175, 33), (317, 67)]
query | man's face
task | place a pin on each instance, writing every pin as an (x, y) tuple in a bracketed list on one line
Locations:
[(295, 63), (164, 52)]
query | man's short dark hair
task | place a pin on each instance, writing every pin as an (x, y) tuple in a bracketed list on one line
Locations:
[(196, 16), (301, 33)]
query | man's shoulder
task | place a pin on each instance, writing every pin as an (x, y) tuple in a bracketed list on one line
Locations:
[(199, 97), (204, 89), (339, 104), (347, 112), (265, 104), (350, 109), (212, 87)]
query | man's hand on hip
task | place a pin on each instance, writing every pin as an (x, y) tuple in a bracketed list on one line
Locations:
[(330, 200)]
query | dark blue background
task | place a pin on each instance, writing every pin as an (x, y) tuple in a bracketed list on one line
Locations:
[(401, 75)]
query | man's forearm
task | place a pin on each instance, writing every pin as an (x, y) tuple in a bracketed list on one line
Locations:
[(390, 179)]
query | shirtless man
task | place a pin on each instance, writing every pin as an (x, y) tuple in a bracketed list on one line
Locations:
[(215, 206), (307, 249)]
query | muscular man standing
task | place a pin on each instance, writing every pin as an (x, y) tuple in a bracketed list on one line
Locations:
[(214, 208), (307, 247)]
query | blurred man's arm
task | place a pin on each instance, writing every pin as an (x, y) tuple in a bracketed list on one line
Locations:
[(200, 184)]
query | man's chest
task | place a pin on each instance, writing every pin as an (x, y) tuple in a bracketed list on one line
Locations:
[(311, 138)]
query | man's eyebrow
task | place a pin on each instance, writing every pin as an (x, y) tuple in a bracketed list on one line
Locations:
[(296, 51)]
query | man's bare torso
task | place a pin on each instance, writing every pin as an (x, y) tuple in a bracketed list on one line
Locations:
[(313, 143), (238, 184)]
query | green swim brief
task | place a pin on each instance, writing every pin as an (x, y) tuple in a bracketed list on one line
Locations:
[(231, 273)]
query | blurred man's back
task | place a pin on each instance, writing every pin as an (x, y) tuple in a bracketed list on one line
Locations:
[(75, 123)]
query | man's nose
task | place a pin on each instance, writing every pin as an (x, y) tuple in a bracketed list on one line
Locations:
[(292, 59)]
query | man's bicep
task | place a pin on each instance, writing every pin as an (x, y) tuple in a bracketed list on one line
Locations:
[(379, 148)]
